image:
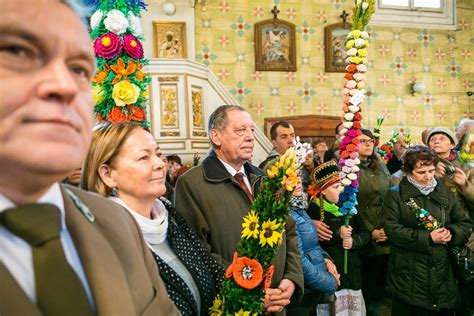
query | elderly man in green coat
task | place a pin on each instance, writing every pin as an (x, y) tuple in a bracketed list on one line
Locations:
[(215, 196)]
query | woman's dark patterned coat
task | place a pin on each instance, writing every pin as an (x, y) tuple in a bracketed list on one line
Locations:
[(207, 272)]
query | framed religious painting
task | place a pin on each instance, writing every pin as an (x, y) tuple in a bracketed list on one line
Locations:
[(169, 39), (275, 46), (335, 36)]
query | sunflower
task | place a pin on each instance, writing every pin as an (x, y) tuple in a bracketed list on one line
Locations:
[(269, 234), (241, 312), (250, 226), (217, 307)]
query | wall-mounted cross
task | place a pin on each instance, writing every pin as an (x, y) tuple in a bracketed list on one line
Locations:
[(344, 16), (275, 12)]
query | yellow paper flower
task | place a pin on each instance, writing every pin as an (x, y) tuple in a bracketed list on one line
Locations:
[(362, 52), (217, 307), (98, 94), (355, 34), (125, 93), (241, 312), (350, 43), (250, 226), (290, 181), (269, 234), (272, 172)]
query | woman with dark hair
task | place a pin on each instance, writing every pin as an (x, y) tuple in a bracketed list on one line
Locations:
[(374, 182), (124, 164), (421, 219)]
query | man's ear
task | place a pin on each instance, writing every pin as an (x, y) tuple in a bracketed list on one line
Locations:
[(215, 136), (106, 174)]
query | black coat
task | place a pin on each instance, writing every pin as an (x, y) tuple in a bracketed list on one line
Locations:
[(361, 237), (420, 272), (206, 271)]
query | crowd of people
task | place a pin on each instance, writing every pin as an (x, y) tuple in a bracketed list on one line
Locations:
[(145, 235)]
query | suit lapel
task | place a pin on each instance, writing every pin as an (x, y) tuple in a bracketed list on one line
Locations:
[(13, 299), (103, 269)]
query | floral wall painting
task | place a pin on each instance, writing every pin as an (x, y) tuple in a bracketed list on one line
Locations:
[(335, 36), (275, 45), (170, 39)]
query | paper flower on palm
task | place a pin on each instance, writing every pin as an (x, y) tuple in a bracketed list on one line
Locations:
[(248, 273), (132, 46), (116, 22), (108, 46), (250, 226), (125, 93), (134, 24), (136, 113), (270, 234), (116, 115), (96, 18)]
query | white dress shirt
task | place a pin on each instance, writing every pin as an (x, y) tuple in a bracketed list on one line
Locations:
[(16, 254), (233, 172)]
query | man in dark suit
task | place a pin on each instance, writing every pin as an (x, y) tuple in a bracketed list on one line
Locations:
[(46, 62)]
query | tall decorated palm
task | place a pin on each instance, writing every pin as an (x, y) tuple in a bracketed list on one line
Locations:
[(353, 96), (120, 88)]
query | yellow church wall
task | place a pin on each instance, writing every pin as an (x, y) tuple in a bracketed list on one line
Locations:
[(443, 60)]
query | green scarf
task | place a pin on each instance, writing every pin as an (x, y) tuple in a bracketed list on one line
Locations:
[(329, 207)]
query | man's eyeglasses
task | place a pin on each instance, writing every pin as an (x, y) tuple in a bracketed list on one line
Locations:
[(367, 141), (244, 131)]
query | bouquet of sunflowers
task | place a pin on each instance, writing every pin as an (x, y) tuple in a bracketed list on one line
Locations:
[(251, 271)]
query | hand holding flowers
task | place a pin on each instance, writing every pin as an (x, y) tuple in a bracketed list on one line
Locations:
[(441, 236)]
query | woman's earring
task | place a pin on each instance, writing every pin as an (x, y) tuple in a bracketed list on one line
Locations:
[(114, 192)]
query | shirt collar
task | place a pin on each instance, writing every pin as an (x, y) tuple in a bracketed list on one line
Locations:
[(231, 169), (52, 196)]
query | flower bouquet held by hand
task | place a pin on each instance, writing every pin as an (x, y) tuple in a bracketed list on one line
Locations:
[(353, 95), (250, 273)]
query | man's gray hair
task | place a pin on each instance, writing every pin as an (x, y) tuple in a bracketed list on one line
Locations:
[(81, 10), (218, 118)]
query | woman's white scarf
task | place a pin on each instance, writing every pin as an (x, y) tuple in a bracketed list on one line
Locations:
[(424, 189), (154, 230)]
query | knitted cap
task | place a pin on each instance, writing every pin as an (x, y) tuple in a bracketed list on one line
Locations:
[(325, 174), (442, 130)]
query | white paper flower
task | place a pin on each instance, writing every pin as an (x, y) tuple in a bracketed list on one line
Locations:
[(358, 76), (355, 169), (345, 91), (96, 18), (350, 84), (364, 35), (361, 68), (343, 131), (135, 24), (347, 124), (352, 52), (346, 169), (349, 162), (365, 5), (352, 176), (349, 116), (354, 108), (116, 22), (360, 43), (353, 92), (357, 161), (359, 2), (346, 182), (361, 85)]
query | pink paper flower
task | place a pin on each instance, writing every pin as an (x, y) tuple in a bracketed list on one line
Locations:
[(132, 46), (351, 133), (108, 46)]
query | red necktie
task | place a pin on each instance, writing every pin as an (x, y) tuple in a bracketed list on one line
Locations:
[(239, 176)]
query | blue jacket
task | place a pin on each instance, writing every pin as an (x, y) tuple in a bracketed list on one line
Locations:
[(316, 276)]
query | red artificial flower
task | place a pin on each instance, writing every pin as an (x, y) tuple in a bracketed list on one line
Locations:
[(351, 68), (108, 46), (136, 113), (356, 125), (132, 46), (348, 76), (351, 148), (268, 277), (355, 141), (357, 116), (116, 115)]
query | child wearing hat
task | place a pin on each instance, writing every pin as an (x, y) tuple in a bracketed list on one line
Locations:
[(324, 195)]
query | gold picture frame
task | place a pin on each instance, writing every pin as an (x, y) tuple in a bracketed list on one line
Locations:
[(170, 39), (275, 46), (335, 36)]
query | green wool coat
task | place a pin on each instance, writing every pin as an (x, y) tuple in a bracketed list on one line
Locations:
[(373, 186)]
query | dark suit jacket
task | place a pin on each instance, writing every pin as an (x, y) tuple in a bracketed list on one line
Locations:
[(121, 272)]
